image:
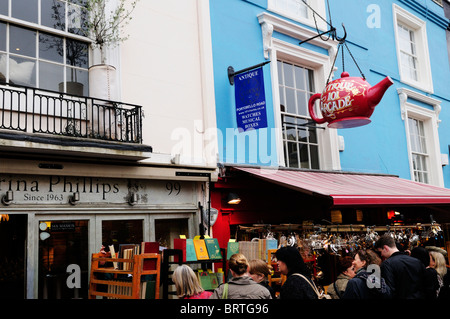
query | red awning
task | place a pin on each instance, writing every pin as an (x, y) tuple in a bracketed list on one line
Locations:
[(348, 189)]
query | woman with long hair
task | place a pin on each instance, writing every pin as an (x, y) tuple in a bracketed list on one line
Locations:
[(298, 282)]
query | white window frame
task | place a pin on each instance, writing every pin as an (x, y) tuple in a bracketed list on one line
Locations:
[(424, 78), (317, 5), (430, 119), (275, 49), (64, 34)]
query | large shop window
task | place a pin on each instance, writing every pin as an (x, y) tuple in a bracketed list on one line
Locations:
[(296, 85), (62, 243), (40, 55), (117, 232), (166, 230), (13, 233)]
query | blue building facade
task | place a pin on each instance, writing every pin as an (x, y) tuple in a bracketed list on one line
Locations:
[(405, 40), (314, 172)]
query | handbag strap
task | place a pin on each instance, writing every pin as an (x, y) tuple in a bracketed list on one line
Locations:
[(225, 291), (313, 286)]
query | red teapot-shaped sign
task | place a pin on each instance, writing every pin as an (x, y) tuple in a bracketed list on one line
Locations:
[(348, 101)]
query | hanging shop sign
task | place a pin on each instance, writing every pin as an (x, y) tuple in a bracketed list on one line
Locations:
[(348, 102), (250, 100)]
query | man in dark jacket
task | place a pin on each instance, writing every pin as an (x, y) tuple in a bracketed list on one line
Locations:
[(404, 274)]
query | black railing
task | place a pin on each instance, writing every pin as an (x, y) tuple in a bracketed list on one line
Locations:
[(34, 110)]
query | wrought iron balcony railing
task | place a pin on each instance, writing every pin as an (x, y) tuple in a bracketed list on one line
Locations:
[(35, 110)]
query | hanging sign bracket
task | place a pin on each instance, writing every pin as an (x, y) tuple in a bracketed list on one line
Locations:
[(232, 73), (333, 35)]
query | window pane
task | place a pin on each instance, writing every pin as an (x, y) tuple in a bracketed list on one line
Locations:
[(51, 47), (116, 232), (288, 74), (302, 103), (310, 82), (290, 101), (4, 7), (63, 247), (290, 133), (304, 156), (302, 135), (51, 76), (3, 60), (280, 72), (312, 135), (22, 71), (299, 74), (2, 37), (22, 41), (77, 81), (166, 230), (76, 19), (77, 53), (282, 101), (25, 10), (314, 151), (53, 14), (292, 154)]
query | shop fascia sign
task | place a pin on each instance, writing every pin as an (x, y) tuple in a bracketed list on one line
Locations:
[(60, 189)]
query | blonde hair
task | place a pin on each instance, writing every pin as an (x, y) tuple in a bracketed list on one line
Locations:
[(186, 282), (238, 263), (439, 259), (259, 267)]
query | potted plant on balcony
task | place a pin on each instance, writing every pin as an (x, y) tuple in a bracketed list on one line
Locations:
[(102, 26)]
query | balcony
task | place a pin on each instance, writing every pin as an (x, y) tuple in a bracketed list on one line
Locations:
[(69, 124)]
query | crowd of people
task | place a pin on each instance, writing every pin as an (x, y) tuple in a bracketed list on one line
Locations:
[(384, 272)]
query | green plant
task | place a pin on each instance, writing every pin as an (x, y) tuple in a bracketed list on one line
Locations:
[(103, 24)]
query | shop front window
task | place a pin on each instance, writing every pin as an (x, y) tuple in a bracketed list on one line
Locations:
[(61, 244), (13, 232), (121, 232), (166, 230)]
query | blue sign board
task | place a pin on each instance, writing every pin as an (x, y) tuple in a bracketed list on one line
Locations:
[(250, 100)]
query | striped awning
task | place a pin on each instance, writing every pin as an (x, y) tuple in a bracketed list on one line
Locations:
[(348, 189)]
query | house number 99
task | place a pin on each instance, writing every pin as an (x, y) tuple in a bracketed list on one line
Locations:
[(173, 188)]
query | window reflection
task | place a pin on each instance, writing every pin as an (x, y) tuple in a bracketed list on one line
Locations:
[(2, 36), (53, 14), (25, 10), (76, 19), (77, 81), (51, 76), (50, 47), (22, 41), (3, 60), (22, 71), (63, 62), (76, 53), (4, 7)]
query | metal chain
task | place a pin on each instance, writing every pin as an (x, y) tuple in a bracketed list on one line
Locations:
[(362, 75)]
